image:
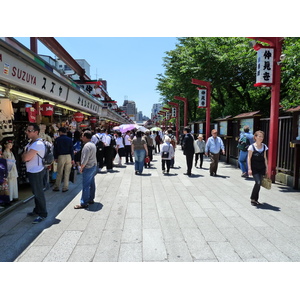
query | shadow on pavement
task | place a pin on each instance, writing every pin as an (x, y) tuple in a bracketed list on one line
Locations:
[(95, 207), (268, 206), (221, 176), (287, 189)]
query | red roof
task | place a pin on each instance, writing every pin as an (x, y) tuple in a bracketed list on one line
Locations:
[(294, 109), (248, 114)]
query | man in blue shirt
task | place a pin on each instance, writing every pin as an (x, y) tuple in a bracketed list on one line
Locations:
[(244, 154), (214, 145), (64, 156)]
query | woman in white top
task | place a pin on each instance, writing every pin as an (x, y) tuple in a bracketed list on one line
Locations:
[(257, 164), (120, 147)]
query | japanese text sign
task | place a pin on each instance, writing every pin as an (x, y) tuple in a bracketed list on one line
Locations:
[(264, 69)]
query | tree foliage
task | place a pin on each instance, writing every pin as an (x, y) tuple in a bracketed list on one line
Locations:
[(229, 63)]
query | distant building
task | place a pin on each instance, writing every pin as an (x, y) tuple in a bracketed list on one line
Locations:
[(68, 71), (155, 109)]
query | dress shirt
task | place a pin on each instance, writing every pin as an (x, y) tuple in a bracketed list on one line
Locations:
[(214, 145)]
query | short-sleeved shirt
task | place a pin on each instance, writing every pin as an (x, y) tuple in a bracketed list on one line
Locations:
[(138, 143), (35, 165)]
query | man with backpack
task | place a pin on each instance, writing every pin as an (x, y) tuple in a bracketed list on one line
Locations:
[(245, 140), (32, 156), (97, 139)]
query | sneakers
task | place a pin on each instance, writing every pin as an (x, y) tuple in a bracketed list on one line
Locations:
[(38, 220), (56, 189)]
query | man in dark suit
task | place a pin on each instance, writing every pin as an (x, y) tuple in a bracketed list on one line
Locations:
[(188, 149)]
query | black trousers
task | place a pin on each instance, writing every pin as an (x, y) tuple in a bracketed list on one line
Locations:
[(108, 157), (128, 153), (189, 162), (165, 162), (255, 191), (100, 158), (197, 158)]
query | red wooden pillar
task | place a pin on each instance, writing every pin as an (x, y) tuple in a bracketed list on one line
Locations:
[(276, 43), (185, 100)]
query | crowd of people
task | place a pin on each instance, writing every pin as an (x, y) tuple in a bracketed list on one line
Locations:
[(91, 152)]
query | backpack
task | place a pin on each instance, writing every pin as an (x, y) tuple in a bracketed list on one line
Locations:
[(243, 143), (48, 158), (172, 142), (112, 141), (99, 144)]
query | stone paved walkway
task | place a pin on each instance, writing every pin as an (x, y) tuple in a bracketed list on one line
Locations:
[(155, 217)]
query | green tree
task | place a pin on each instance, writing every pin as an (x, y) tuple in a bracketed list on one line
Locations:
[(229, 63)]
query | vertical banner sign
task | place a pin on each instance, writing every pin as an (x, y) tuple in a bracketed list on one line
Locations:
[(202, 97), (173, 112), (264, 69)]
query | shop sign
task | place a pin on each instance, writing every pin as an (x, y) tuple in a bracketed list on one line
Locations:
[(46, 109), (264, 68), (83, 103), (202, 97), (173, 112), (21, 74)]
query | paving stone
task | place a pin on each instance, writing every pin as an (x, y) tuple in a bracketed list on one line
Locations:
[(109, 246), (177, 251), (153, 245), (83, 253), (130, 252), (34, 254), (224, 252), (160, 218), (132, 231), (62, 250)]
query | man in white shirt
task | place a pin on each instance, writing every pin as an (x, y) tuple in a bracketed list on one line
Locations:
[(32, 156)]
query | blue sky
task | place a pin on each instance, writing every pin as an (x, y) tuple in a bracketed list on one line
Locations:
[(129, 64)]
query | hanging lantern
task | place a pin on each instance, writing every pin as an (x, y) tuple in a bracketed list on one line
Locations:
[(93, 119), (46, 109), (79, 117)]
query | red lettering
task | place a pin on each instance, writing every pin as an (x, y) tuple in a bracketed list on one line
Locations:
[(13, 71), (23, 75)]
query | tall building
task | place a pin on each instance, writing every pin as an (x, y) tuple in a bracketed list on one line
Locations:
[(130, 108), (155, 109)]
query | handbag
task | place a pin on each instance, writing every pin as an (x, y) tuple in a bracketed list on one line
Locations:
[(73, 175), (147, 160), (266, 183), (165, 154)]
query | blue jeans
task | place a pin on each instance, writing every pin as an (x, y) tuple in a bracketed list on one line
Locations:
[(139, 157), (88, 185), (243, 161), (36, 181)]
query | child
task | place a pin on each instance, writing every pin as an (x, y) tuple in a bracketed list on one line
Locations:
[(12, 170)]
